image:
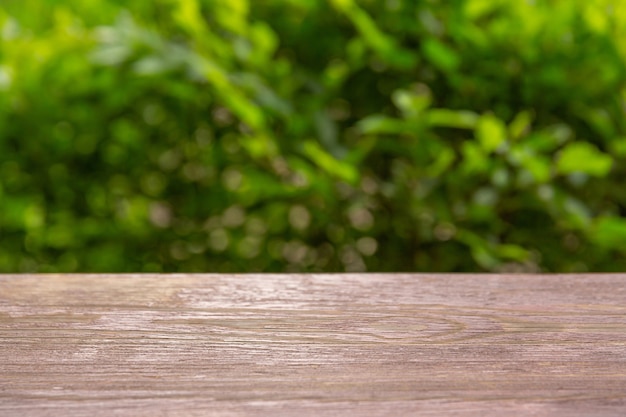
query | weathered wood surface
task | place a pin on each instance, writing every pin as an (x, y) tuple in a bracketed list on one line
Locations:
[(238, 345)]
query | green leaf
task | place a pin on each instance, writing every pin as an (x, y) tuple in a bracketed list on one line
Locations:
[(538, 165), (264, 38), (618, 146), (328, 163), (490, 132), (513, 252), (385, 45), (520, 125), (460, 119), (441, 55), (443, 161), (379, 124), (610, 232), (259, 145), (584, 157), (411, 103), (474, 158)]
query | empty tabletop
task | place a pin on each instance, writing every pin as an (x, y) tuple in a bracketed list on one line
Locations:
[(312, 344)]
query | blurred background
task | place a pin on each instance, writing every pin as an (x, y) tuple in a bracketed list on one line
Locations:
[(312, 135)]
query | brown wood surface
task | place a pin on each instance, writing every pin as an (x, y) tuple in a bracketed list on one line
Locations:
[(346, 344)]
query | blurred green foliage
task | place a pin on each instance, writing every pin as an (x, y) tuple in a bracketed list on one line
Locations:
[(312, 135)]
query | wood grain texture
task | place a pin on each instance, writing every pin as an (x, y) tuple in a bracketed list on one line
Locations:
[(304, 345)]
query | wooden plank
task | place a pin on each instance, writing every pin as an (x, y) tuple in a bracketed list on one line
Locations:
[(344, 344)]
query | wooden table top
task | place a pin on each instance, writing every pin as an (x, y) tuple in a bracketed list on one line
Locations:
[(304, 345)]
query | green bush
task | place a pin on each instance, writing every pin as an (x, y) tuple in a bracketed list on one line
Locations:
[(294, 135)]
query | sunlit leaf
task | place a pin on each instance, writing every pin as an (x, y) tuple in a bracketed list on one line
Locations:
[(584, 157), (490, 132), (325, 161), (450, 118), (411, 103)]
